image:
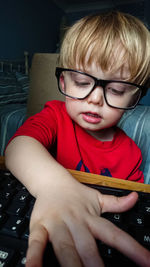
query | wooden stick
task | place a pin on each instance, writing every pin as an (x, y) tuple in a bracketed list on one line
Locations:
[(90, 178)]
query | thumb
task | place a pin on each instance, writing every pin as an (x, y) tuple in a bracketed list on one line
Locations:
[(109, 203)]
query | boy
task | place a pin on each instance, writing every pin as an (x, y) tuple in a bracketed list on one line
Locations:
[(105, 66)]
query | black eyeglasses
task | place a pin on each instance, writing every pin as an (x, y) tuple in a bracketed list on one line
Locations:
[(79, 85)]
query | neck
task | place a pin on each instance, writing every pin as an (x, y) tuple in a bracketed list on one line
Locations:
[(103, 135)]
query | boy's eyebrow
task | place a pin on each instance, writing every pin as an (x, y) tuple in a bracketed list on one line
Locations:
[(121, 74), (120, 78), (111, 76)]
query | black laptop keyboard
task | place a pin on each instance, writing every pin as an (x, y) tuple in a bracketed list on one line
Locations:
[(15, 209)]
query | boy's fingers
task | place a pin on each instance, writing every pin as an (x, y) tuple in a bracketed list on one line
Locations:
[(62, 243), (111, 235), (86, 245), (117, 204), (64, 246), (37, 242)]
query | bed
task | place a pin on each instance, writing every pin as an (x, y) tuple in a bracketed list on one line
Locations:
[(14, 88)]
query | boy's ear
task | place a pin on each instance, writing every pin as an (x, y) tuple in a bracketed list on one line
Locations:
[(62, 82)]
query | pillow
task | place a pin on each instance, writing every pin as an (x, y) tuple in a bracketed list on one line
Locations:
[(7, 83), (13, 87), (136, 124), (13, 98), (23, 81)]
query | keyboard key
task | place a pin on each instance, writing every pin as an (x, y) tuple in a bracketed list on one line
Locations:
[(3, 218), (8, 194), (113, 217), (22, 196), (143, 236), (17, 209), (26, 234), (22, 261), (3, 203), (144, 208), (136, 219), (14, 226), (7, 257), (28, 213), (147, 221), (9, 183)]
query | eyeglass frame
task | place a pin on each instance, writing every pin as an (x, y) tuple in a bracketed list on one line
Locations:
[(102, 83)]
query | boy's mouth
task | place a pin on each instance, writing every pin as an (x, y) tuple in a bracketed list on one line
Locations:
[(91, 117), (92, 114)]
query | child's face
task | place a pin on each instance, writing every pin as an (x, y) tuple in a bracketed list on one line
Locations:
[(92, 113)]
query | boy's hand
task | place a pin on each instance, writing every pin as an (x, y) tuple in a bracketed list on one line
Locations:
[(70, 220)]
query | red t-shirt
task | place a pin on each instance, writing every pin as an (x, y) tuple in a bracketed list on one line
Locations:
[(78, 150)]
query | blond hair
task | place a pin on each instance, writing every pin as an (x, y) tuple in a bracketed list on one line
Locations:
[(100, 34)]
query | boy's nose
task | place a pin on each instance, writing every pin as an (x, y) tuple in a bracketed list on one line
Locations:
[(96, 96)]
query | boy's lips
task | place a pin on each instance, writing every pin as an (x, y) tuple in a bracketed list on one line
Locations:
[(91, 117)]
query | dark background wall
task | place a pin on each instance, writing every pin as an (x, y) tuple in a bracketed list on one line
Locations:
[(34, 25), (28, 25)]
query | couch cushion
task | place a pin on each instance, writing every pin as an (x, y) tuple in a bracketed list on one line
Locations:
[(43, 83), (136, 124)]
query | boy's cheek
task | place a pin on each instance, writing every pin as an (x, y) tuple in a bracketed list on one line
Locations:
[(71, 107)]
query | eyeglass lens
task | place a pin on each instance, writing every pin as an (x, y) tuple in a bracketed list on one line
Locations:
[(117, 94)]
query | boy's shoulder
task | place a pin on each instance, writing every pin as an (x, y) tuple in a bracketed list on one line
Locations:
[(55, 104), (55, 109), (127, 140)]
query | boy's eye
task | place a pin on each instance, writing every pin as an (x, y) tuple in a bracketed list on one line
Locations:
[(115, 91), (116, 88), (80, 80), (82, 84)]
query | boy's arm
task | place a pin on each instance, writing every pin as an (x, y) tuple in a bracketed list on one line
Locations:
[(66, 212), (33, 165)]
